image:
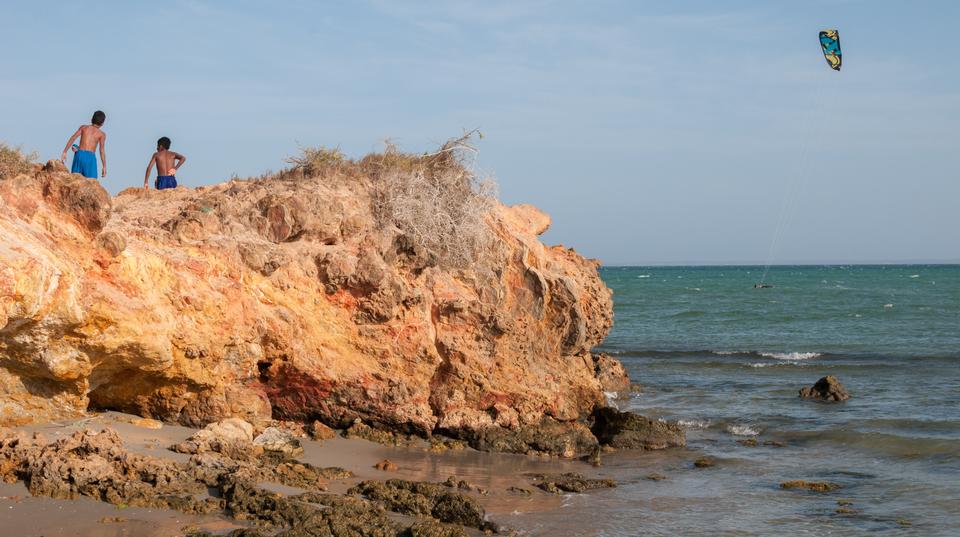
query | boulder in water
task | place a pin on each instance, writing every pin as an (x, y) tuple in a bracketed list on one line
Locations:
[(626, 430), (827, 388)]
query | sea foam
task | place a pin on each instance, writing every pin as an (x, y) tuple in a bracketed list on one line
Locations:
[(742, 430), (791, 355)]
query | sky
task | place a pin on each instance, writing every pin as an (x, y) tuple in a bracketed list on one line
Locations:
[(652, 132)]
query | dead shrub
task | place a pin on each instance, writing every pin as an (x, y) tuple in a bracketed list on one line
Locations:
[(316, 161), (13, 161), (435, 199)]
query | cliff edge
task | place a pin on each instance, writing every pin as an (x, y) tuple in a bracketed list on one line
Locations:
[(306, 295)]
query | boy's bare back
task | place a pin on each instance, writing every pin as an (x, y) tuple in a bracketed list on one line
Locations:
[(166, 162), (90, 137)]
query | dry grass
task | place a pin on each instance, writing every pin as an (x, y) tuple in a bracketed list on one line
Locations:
[(315, 161), (435, 199), (13, 161)]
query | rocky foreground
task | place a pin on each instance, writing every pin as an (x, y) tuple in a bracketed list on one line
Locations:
[(291, 297)]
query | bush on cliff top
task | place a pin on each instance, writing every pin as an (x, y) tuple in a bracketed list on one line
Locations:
[(436, 199), (13, 161)]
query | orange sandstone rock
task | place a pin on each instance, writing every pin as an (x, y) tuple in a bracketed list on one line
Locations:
[(282, 299)]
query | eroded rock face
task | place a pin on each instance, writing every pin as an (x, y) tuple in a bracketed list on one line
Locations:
[(827, 388), (281, 299)]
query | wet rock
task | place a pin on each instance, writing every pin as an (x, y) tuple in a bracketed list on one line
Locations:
[(845, 511), (774, 443), (626, 430), (300, 475), (826, 389), (705, 462), (97, 465), (439, 444), (813, 486), (460, 484), (656, 477), (280, 441), (386, 465), (388, 438), (564, 439), (519, 490), (749, 442), (569, 482), (435, 529), (430, 499), (318, 431)]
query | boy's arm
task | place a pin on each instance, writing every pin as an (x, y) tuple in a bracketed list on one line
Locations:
[(179, 160), (103, 154), (146, 177), (63, 156)]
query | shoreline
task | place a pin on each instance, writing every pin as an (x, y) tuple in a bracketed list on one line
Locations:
[(493, 479)]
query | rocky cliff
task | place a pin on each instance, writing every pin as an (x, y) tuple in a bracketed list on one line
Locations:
[(289, 297)]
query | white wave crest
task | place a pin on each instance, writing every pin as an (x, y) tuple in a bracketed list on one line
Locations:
[(761, 364), (643, 276), (694, 424), (742, 430), (791, 355), (725, 353)]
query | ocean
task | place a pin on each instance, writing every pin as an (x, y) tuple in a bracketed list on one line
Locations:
[(727, 360)]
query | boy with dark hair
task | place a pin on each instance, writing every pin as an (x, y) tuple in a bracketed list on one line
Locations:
[(168, 162), (84, 160)]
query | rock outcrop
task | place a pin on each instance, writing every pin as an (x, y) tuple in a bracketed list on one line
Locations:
[(284, 298), (827, 388), (626, 430)]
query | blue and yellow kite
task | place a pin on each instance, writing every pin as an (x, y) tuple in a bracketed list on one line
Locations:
[(830, 41)]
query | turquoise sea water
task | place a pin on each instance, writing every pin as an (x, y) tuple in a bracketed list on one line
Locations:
[(727, 360)]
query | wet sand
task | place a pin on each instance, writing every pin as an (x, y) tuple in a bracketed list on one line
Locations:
[(494, 473)]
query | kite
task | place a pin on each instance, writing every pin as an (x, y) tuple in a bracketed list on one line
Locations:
[(830, 41)]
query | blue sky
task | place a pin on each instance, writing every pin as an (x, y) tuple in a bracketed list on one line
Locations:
[(652, 132)]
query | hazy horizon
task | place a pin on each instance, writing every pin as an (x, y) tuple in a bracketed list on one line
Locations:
[(652, 133)]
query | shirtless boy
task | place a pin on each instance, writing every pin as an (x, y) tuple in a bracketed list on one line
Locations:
[(84, 160), (168, 162)]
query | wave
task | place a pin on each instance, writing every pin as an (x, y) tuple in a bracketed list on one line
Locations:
[(740, 429), (694, 424), (791, 355)]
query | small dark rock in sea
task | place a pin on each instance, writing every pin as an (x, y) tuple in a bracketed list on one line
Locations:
[(656, 477), (520, 490), (570, 482), (826, 389), (749, 442), (845, 511), (774, 443), (813, 486), (626, 430), (705, 462)]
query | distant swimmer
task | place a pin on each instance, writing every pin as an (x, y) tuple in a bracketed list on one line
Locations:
[(762, 286)]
